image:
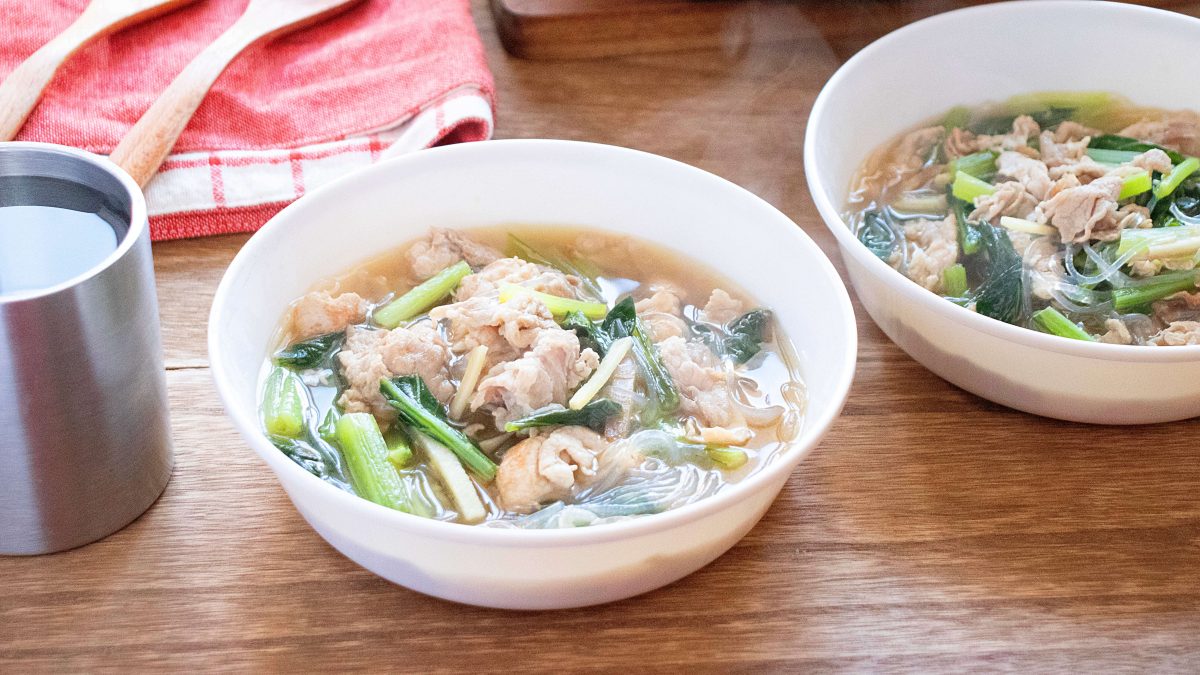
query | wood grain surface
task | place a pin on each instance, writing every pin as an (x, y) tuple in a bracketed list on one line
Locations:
[(931, 530)]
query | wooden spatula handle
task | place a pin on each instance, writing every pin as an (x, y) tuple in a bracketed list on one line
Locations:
[(23, 87), (147, 144)]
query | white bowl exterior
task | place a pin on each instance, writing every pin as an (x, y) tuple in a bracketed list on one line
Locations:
[(539, 182), (999, 51)]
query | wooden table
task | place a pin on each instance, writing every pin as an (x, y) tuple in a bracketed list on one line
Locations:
[(931, 529)]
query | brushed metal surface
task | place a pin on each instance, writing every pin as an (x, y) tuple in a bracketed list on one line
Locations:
[(84, 437)]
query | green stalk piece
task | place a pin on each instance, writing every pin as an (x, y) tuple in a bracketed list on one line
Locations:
[(1173, 180), (954, 281), (423, 296), (374, 477), (420, 412), (967, 187), (1132, 298), (283, 404), (1054, 322), (558, 306)]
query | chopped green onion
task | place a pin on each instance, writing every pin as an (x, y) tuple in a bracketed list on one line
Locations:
[(374, 477), (423, 296), (1054, 322), (558, 306), (954, 281), (1026, 226), (1173, 180), (727, 458), (967, 187), (283, 404), (1135, 185), (1112, 157)]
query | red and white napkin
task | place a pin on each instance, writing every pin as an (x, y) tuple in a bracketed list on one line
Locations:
[(384, 77)]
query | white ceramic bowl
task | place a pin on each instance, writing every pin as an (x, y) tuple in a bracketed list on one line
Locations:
[(550, 182), (982, 54)]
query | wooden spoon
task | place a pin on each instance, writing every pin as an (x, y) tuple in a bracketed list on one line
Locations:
[(23, 87), (147, 144)]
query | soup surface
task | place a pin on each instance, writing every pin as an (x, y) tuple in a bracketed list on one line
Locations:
[(1076, 214), (530, 377)]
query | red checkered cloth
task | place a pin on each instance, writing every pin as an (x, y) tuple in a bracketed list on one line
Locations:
[(382, 78)]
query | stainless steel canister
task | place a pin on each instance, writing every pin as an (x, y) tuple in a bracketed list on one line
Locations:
[(84, 435)]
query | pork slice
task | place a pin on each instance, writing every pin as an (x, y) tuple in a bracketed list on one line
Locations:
[(443, 248), (1031, 174), (932, 247), (319, 313), (545, 374), (1083, 171), (721, 308), (1178, 131), (1178, 334), (1182, 306), (662, 314), (915, 147), (1153, 160), (506, 328), (545, 468), (1116, 333), (488, 280), (1057, 153), (1009, 199), (703, 385), (1085, 212), (1071, 130), (369, 356)]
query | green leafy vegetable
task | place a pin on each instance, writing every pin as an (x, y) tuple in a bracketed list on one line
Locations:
[(519, 249), (423, 296), (744, 335), (1115, 142), (593, 416), (420, 411), (1112, 157), (588, 331), (314, 352), (315, 458), (622, 321), (878, 235), (1002, 124), (1052, 321), (1000, 294)]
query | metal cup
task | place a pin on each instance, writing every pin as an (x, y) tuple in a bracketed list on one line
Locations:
[(84, 437)]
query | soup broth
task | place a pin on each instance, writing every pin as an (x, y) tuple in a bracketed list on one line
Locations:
[(642, 457)]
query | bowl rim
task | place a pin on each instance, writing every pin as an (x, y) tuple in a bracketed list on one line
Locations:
[(813, 431), (909, 289)]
